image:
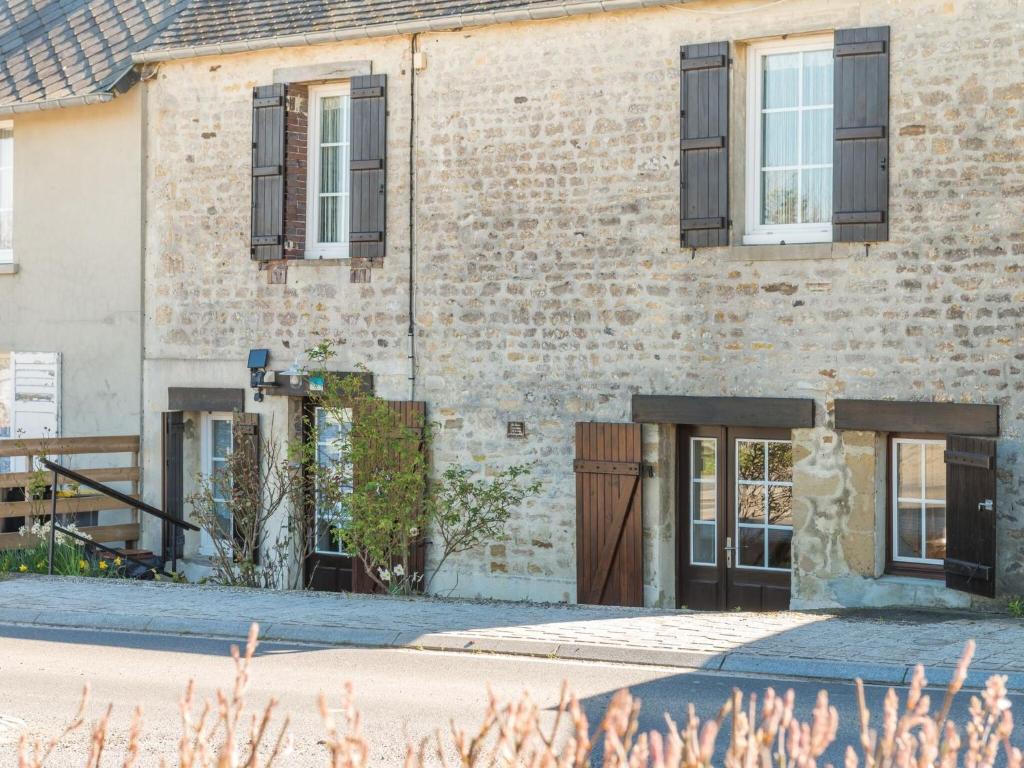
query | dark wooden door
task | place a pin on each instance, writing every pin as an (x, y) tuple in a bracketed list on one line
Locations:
[(609, 525), (970, 563), (735, 522)]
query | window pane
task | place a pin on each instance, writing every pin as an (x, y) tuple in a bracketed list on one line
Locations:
[(705, 501), (703, 544), (331, 115), (778, 197), (935, 531), (223, 519), (703, 459), (221, 438), (934, 472), (330, 169), (780, 462), (750, 504), (780, 505), (908, 470), (780, 547), (750, 456), (817, 137), (908, 530), (330, 219), (751, 546), (816, 196), (817, 78), (779, 142), (781, 80)]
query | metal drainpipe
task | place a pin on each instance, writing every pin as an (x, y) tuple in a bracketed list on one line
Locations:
[(412, 215)]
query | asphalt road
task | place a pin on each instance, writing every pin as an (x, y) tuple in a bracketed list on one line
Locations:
[(404, 695)]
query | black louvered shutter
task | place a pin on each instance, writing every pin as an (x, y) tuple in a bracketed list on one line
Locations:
[(970, 562), (860, 154), (368, 166), (173, 540), (704, 145), (268, 129)]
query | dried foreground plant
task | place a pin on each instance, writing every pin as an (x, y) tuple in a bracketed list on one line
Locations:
[(220, 733)]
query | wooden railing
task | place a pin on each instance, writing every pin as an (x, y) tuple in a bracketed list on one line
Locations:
[(65, 450)]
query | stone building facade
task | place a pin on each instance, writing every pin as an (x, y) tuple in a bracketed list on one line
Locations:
[(533, 186)]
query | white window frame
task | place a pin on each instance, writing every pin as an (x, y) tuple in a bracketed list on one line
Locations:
[(323, 444), (314, 248), (766, 484), (774, 234), (700, 482), (7, 254), (206, 545), (923, 502)]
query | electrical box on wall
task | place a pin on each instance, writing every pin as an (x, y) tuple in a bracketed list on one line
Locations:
[(419, 61)]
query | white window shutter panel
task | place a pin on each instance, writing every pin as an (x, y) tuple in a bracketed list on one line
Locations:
[(35, 409)]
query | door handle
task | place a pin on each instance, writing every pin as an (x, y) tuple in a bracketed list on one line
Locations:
[(729, 549), (986, 505)]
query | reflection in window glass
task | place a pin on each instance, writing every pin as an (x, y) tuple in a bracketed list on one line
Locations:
[(703, 501), (332, 436), (919, 501), (764, 503)]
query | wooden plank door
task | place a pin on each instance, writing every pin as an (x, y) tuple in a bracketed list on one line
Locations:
[(970, 562), (609, 525)]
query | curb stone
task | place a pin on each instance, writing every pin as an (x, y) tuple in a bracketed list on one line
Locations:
[(356, 637)]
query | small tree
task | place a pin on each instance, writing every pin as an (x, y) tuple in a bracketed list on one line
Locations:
[(379, 482), (263, 549), (466, 513)]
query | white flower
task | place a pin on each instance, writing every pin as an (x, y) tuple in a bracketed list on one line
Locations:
[(414, 531), (384, 573), (399, 571)]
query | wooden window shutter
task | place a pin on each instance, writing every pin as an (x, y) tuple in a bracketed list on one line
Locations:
[(245, 437), (368, 166), (970, 563), (173, 482), (268, 160), (704, 145), (860, 150)]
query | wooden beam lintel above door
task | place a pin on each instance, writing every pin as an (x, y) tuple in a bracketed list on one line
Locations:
[(777, 412)]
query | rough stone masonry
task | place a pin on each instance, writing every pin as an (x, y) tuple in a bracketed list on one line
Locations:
[(550, 284)]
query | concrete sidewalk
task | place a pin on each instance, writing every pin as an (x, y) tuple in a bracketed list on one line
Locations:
[(879, 647)]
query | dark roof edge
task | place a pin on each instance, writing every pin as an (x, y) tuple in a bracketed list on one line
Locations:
[(443, 23)]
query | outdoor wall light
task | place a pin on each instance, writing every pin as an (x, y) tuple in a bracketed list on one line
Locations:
[(258, 360)]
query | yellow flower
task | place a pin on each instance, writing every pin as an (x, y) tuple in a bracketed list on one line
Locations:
[(82, 565), (103, 565), (117, 561), (22, 567)]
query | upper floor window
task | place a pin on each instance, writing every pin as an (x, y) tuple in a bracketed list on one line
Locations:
[(6, 192), (327, 209), (918, 508), (789, 142)]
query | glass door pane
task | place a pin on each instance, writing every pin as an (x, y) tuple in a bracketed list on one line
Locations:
[(703, 500)]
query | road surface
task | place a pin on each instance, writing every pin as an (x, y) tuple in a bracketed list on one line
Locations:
[(404, 695)]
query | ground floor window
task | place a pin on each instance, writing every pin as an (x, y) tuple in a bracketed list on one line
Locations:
[(332, 431), (216, 446), (764, 500), (917, 509)]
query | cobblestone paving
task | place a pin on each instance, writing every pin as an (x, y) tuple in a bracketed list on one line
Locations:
[(884, 638)]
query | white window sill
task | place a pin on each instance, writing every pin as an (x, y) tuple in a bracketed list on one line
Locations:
[(313, 261), (8, 268), (787, 238)]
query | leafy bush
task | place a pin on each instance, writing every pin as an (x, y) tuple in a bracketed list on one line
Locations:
[(222, 733)]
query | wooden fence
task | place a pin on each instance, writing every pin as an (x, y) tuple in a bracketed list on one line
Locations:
[(65, 450)]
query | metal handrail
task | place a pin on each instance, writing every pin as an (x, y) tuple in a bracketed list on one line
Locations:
[(116, 495), (57, 469)]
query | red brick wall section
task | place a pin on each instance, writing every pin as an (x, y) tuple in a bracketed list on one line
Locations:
[(296, 129)]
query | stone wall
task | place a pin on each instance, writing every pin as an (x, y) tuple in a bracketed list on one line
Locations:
[(550, 285)]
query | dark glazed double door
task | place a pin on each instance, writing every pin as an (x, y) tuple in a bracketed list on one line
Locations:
[(735, 518)]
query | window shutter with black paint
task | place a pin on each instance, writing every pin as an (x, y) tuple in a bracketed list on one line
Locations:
[(704, 145), (173, 449), (268, 154), (860, 150), (368, 166), (970, 563)]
